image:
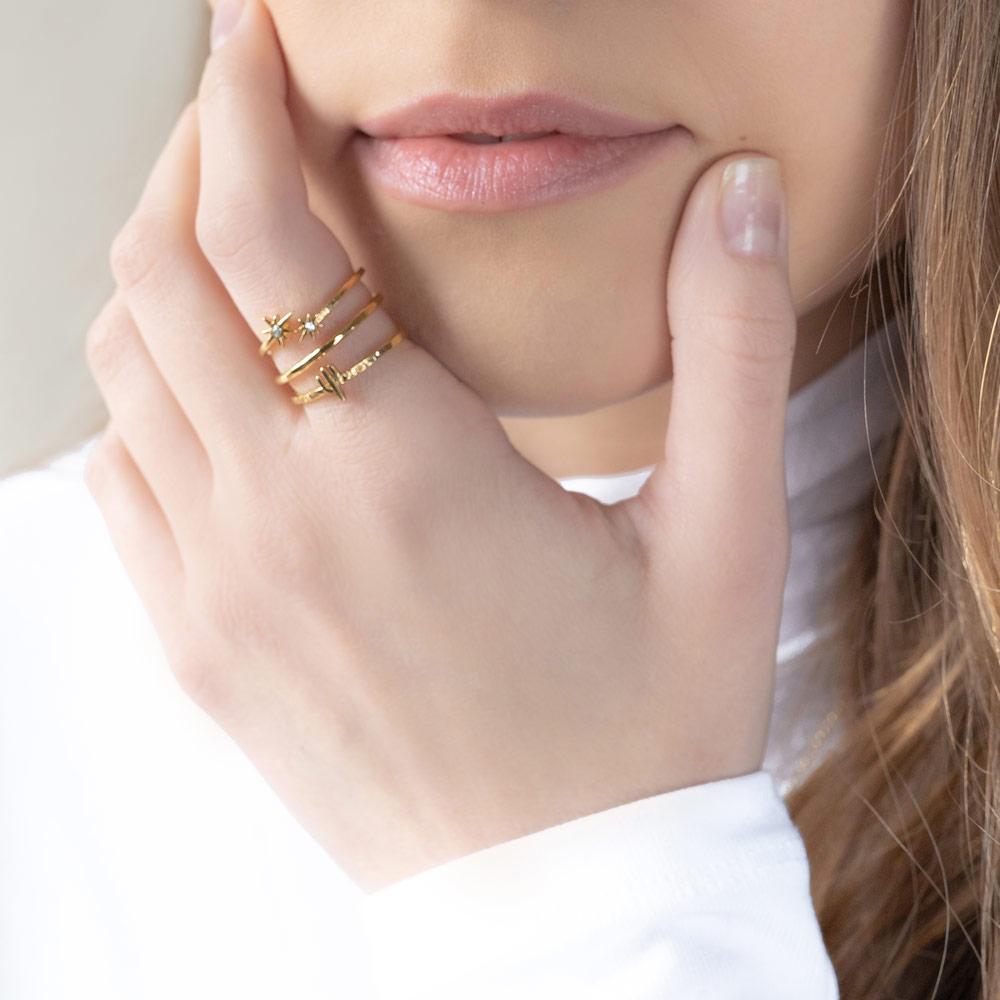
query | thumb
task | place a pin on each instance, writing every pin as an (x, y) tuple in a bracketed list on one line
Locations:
[(719, 493)]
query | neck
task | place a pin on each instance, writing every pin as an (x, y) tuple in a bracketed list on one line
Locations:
[(631, 434)]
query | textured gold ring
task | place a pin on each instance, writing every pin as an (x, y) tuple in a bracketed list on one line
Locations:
[(331, 378), (311, 358)]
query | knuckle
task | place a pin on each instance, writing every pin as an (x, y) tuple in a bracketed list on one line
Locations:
[(233, 233), (138, 247), (747, 347), (208, 654), (98, 466), (752, 337), (197, 677), (222, 81), (224, 610), (105, 343)]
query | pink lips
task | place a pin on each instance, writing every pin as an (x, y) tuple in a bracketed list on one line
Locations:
[(413, 153)]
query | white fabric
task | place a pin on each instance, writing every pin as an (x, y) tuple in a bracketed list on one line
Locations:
[(698, 892), (143, 858)]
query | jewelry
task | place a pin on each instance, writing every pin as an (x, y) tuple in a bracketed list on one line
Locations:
[(331, 378), (277, 329), (309, 360)]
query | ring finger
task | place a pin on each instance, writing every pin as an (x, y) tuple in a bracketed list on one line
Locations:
[(155, 430)]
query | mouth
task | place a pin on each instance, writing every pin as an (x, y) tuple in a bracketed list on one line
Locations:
[(485, 138), (529, 112), (459, 153)]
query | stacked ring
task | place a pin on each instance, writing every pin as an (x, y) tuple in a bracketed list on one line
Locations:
[(330, 377)]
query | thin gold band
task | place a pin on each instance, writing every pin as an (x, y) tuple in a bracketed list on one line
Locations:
[(310, 359), (331, 378), (277, 329)]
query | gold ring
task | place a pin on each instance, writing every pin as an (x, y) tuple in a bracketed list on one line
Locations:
[(331, 378), (310, 359), (277, 329)]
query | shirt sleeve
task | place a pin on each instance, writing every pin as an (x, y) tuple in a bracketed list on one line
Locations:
[(697, 892)]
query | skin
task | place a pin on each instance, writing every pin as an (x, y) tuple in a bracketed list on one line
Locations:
[(423, 643), (571, 351)]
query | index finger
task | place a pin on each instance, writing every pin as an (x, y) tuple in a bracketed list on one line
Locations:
[(255, 225)]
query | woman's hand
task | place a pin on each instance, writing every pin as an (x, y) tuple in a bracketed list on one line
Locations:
[(426, 645)]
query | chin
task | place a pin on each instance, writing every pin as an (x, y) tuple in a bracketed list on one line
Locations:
[(554, 311), (522, 367)]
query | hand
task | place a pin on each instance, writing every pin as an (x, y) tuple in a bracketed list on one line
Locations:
[(424, 644)]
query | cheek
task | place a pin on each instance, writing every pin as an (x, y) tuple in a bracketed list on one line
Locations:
[(817, 92), (835, 164)]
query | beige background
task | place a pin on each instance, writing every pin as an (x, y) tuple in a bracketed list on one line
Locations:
[(91, 89)]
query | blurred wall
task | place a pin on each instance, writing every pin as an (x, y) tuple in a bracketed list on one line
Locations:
[(90, 91)]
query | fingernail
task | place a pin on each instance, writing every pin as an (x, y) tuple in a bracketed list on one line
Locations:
[(224, 18), (751, 209)]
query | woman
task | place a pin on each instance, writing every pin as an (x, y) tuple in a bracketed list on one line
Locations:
[(534, 728)]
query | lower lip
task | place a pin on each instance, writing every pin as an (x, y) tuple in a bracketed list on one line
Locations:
[(446, 173)]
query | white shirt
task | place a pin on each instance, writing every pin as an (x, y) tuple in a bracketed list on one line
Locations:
[(142, 857)]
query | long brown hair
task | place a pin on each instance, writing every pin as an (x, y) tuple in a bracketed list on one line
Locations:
[(902, 817)]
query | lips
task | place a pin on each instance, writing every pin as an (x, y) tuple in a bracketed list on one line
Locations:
[(441, 151), (484, 138), (447, 114)]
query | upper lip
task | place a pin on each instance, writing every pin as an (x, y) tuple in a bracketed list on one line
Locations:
[(532, 111)]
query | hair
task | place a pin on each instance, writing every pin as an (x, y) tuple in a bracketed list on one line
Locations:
[(901, 818)]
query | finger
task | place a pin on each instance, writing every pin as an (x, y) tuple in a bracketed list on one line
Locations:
[(720, 491), (273, 254), (149, 420), (193, 332), (136, 524)]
